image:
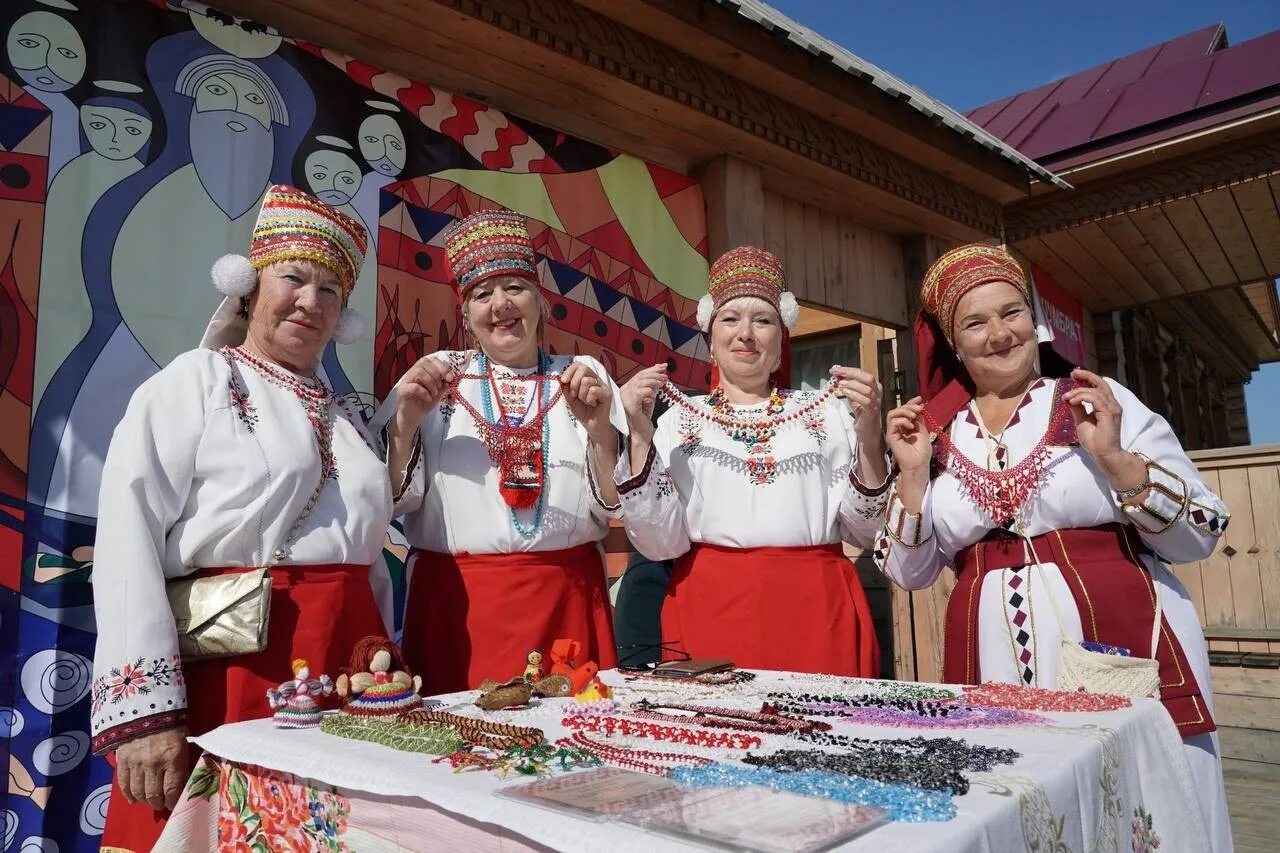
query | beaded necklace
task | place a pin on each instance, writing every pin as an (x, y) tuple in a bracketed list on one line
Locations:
[(935, 764), (921, 714), (316, 400), (1042, 699), (434, 740), (753, 432), (643, 760), (744, 429), (903, 802), (494, 736), (765, 720), (312, 393), (518, 448), (610, 726), (1002, 493)]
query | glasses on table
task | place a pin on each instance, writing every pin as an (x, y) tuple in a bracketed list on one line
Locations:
[(628, 654)]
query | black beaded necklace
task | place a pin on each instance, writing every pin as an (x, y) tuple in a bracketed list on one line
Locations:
[(935, 764)]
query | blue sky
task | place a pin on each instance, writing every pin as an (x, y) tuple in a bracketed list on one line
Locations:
[(971, 53)]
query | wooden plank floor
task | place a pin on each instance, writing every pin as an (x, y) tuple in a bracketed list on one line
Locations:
[(1252, 797)]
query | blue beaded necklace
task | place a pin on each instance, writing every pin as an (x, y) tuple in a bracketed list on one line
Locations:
[(544, 369)]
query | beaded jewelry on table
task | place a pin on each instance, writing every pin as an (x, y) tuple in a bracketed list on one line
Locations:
[(902, 802), (935, 764), (1013, 696)]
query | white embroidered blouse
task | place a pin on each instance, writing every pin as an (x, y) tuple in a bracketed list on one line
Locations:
[(701, 485), (1181, 520), (210, 467), (450, 499)]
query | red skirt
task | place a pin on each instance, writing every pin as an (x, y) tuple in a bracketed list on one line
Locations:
[(799, 609), (1113, 592), (475, 616), (318, 612)]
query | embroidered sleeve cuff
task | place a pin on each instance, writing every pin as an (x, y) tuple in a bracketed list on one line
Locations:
[(136, 698), (108, 739), (1207, 518), (879, 491), (911, 530), (631, 484), (612, 510), (1165, 503)]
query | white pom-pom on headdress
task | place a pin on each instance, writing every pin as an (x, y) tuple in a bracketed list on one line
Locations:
[(706, 310), (233, 275), (351, 326), (788, 309)]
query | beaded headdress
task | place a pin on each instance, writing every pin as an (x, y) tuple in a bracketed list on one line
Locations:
[(292, 225), (489, 243), (747, 271), (961, 270)]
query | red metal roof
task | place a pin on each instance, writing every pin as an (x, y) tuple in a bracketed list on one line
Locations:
[(1193, 73)]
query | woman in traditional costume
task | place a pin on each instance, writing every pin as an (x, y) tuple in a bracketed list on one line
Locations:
[(1059, 503), (502, 457), (236, 455), (754, 487)]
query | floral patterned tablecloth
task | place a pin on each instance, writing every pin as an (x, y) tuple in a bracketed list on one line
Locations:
[(1111, 781)]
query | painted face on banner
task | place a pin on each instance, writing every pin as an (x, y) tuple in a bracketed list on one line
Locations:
[(46, 51), (333, 176), (115, 133), (382, 144)]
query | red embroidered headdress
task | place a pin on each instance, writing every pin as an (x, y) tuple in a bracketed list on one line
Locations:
[(944, 383), (489, 243), (747, 271)]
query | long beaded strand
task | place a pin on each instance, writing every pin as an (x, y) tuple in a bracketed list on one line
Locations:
[(644, 760), (735, 426)]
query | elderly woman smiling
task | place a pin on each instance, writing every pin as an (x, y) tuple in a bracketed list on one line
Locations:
[(1058, 502), (234, 457), (503, 457)]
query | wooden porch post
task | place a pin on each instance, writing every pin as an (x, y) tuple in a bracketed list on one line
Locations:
[(734, 195), (917, 616)]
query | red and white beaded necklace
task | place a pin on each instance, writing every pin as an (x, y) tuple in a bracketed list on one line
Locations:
[(747, 429), (643, 760), (1002, 493), (312, 393), (517, 448)]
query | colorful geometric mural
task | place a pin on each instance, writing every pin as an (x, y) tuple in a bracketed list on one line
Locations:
[(136, 140)]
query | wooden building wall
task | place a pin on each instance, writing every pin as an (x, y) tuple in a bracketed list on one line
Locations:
[(1237, 593)]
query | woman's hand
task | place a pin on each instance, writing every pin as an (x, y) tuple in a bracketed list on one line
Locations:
[(420, 389), (153, 768), (589, 399), (1099, 430), (862, 393), (908, 438), (639, 397)]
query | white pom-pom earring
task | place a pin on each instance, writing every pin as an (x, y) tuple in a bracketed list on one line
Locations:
[(706, 310), (351, 326), (788, 309), (233, 275)]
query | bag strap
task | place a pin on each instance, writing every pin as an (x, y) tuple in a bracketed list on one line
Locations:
[(1057, 612), (281, 551), (1155, 628)]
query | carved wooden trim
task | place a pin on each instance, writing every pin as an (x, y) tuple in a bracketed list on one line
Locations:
[(1193, 175), (612, 48)]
